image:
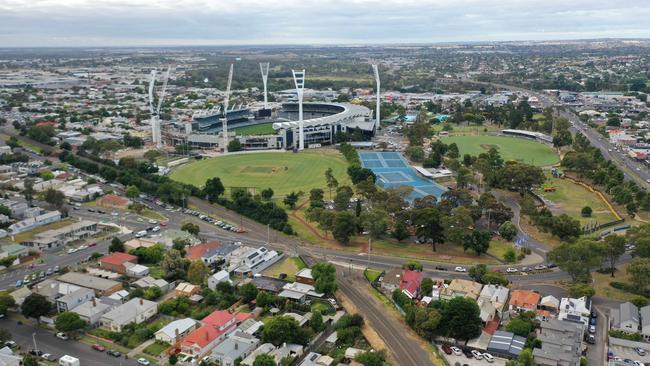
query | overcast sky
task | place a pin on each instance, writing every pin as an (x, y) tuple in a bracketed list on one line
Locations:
[(259, 22)]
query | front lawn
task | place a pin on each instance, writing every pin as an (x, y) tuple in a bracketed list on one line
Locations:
[(155, 349)]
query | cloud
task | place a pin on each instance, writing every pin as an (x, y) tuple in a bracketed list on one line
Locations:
[(215, 22)]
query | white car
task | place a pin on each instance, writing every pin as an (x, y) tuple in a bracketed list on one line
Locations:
[(47, 356), (72, 250), (143, 361), (153, 222), (477, 355), (115, 213), (488, 357), (82, 247), (460, 269), (61, 335), (457, 351), (156, 229), (512, 270), (638, 363)]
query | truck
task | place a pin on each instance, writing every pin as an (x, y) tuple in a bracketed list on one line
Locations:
[(67, 360)]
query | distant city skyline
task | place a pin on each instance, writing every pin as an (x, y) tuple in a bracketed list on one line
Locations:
[(55, 23)]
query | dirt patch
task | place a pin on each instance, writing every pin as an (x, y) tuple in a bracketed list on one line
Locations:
[(487, 147)]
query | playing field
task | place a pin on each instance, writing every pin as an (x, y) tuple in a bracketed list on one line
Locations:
[(510, 148), (261, 129), (283, 172)]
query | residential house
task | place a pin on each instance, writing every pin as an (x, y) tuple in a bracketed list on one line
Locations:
[(92, 311), (136, 310), (551, 304), (112, 201), (101, 286), (74, 299), (136, 270), (237, 346), (523, 300), (461, 288), (645, 322), (115, 261), (305, 276), (625, 318), (214, 330), (187, 289), (222, 252), (215, 279), (176, 330), (287, 351), (497, 297), (195, 252), (410, 283), (148, 281), (561, 343), (16, 250), (299, 291), (392, 279), (136, 243), (316, 359), (19, 295), (8, 358), (256, 261), (575, 309), (262, 349)]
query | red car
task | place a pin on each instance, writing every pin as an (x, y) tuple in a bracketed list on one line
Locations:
[(446, 349), (98, 347), (162, 224), (92, 244)]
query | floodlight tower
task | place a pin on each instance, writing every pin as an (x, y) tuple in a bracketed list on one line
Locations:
[(156, 135), (378, 107), (299, 80), (264, 68), (226, 101)]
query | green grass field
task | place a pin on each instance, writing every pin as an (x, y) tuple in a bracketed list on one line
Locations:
[(283, 172), (510, 148), (261, 129)]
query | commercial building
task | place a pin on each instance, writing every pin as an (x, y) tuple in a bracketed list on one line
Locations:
[(34, 222), (57, 238), (561, 343)]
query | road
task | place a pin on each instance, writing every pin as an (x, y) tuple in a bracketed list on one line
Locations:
[(48, 343)]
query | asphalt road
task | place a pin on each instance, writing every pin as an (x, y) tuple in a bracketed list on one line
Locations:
[(48, 343)]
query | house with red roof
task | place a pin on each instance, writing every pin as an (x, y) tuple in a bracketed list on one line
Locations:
[(410, 283), (216, 327), (523, 300), (196, 252), (116, 261)]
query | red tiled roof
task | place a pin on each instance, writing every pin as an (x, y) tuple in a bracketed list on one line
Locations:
[(524, 299), (218, 318), (118, 258), (202, 336), (410, 281), (240, 317), (195, 252)]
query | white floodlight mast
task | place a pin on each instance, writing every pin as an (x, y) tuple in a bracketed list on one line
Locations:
[(375, 68), (156, 124), (264, 68), (153, 110), (226, 101), (299, 80)]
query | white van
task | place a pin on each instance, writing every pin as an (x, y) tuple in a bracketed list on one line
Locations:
[(66, 360), (140, 234)]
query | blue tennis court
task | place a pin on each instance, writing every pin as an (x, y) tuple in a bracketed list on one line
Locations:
[(392, 170)]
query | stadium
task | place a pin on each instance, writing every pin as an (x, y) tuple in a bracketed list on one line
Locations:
[(321, 121)]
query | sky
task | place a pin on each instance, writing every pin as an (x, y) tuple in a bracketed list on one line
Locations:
[(54, 23)]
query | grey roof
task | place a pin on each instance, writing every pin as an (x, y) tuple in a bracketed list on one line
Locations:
[(126, 312), (221, 251), (645, 315), (181, 325), (561, 341), (85, 280), (269, 284), (506, 342), (75, 295), (628, 312), (88, 309), (237, 345)]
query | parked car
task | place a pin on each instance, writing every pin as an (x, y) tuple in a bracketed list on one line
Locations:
[(446, 349), (19, 283), (114, 353), (477, 355), (143, 361), (47, 356), (591, 339), (488, 357), (592, 329), (540, 267), (440, 268), (10, 344), (640, 351), (512, 270), (593, 321), (98, 347), (457, 351), (61, 335), (468, 353)]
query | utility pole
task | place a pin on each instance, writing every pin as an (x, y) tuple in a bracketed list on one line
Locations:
[(34, 340), (268, 233), (369, 250)]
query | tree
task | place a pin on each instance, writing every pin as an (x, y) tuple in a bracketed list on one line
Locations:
[(54, 198), (132, 192), (30, 360), (152, 293), (264, 359), (478, 241), (68, 322), (428, 225), (477, 272), (580, 290), (117, 245), (639, 270), (267, 194), (522, 177), (248, 292), (152, 155), (613, 248), (520, 327), (291, 199), (344, 227), (342, 198), (426, 286), (458, 225), (508, 230), (28, 190), (400, 232), (191, 228), (197, 272), (213, 188), (324, 278), (577, 259), (281, 329), (462, 319), (35, 306), (316, 199), (586, 211), (234, 145), (173, 265), (412, 265), (6, 302), (371, 358), (316, 322), (173, 359), (375, 222), (495, 278), (332, 183)]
